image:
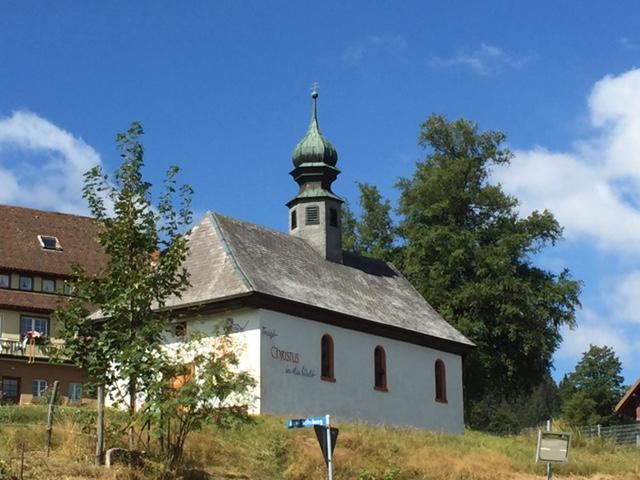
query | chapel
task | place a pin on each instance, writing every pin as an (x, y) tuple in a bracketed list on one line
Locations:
[(322, 330)]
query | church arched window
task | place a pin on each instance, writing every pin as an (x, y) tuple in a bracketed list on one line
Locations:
[(380, 368), (441, 382), (326, 361)]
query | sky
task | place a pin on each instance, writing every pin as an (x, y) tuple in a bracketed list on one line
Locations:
[(222, 90)]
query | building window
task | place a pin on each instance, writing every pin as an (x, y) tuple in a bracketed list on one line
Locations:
[(326, 361), (35, 324), (441, 382), (38, 387), (67, 288), (75, 392), (333, 217), (5, 280), (380, 368), (312, 215), (180, 329), (10, 390), (26, 283), (49, 243), (294, 220), (48, 285)]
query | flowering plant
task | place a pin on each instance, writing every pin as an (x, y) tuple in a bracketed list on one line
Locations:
[(33, 334)]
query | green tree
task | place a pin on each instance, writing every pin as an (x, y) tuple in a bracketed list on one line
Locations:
[(200, 383), (372, 233), (467, 250), (375, 230), (350, 241), (592, 390), (120, 346)]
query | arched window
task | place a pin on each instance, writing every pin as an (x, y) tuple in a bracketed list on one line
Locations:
[(326, 361), (441, 382), (380, 368)]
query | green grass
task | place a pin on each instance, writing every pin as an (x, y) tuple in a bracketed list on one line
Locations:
[(265, 450)]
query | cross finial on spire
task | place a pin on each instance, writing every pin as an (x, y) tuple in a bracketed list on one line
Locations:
[(314, 90)]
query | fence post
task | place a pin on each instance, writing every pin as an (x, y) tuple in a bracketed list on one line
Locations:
[(100, 427), (52, 404), (637, 439), (599, 432), (549, 468)]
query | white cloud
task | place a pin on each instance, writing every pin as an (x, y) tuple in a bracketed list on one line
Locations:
[(622, 295), (594, 189), (594, 330), (484, 60), (387, 44), (41, 165)]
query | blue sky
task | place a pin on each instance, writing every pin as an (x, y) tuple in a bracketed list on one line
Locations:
[(222, 90)]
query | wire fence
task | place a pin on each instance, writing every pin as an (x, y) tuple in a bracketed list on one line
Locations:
[(620, 434), (628, 434)]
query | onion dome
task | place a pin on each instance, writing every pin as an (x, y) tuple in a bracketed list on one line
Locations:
[(314, 148)]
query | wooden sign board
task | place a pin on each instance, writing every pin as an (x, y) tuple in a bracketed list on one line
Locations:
[(553, 447)]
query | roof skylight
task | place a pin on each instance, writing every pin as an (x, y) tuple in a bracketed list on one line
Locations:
[(49, 243)]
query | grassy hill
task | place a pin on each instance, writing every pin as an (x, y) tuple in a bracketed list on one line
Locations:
[(265, 450)]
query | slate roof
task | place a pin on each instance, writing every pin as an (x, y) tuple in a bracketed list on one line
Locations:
[(20, 248), (230, 258)]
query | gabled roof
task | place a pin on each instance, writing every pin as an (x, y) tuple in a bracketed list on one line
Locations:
[(230, 258), (631, 399), (20, 248)]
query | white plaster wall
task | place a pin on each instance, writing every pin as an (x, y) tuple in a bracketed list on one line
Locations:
[(245, 336), (410, 400)]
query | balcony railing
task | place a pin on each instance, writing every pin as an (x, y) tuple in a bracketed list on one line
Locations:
[(21, 348)]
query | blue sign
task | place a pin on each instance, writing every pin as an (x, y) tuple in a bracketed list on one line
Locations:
[(307, 422)]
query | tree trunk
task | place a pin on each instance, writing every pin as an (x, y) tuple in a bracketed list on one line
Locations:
[(132, 411)]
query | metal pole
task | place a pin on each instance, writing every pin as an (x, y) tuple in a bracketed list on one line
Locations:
[(329, 453), (549, 470), (100, 427)]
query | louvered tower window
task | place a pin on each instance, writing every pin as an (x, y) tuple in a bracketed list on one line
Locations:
[(312, 215)]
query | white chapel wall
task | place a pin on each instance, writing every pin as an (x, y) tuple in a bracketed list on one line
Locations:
[(291, 384), (245, 325)]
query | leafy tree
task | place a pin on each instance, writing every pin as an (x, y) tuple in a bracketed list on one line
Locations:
[(593, 389), (146, 247), (200, 383), (466, 249), (371, 234), (375, 228), (350, 241)]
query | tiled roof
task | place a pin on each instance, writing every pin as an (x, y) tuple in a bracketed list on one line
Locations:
[(29, 301), (20, 248), (229, 258)]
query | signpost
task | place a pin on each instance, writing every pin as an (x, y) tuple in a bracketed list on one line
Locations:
[(327, 436), (553, 447)]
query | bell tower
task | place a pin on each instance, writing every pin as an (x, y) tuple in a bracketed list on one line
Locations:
[(315, 212)]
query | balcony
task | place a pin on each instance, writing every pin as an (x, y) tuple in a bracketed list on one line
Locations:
[(20, 348)]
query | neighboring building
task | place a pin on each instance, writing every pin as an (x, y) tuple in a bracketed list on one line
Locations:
[(37, 249), (629, 404), (322, 330)]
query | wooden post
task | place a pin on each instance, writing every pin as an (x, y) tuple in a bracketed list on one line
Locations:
[(52, 404), (100, 427), (22, 461)]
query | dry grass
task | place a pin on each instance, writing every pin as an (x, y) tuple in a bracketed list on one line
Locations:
[(265, 450)]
